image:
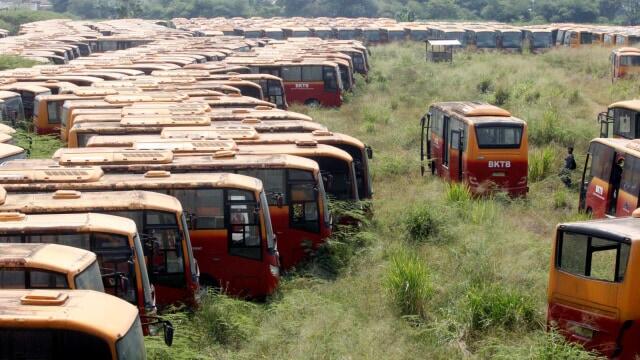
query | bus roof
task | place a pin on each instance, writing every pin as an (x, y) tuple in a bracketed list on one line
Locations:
[(11, 179), (79, 310), (9, 150), (477, 112), (296, 149), (25, 86), (76, 201), (8, 94), (196, 162), (633, 105), (52, 257), (621, 145), (625, 228), (19, 223)]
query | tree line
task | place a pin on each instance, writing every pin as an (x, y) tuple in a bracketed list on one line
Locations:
[(625, 12)]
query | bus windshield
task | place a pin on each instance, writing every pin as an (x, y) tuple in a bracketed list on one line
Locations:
[(541, 39), (592, 257), (22, 278), (131, 346), (486, 39), (16, 343), (630, 60), (166, 258), (511, 39), (90, 279), (499, 136)]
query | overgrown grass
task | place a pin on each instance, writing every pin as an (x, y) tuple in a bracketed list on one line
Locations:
[(409, 284), (14, 61), (12, 19)]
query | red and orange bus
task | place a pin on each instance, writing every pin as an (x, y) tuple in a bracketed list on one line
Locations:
[(478, 144), (306, 81), (295, 193), (593, 284), (610, 181), (227, 215)]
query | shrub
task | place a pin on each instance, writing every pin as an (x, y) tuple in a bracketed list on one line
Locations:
[(227, 321), (494, 306), (409, 284), (457, 193), (501, 96), (13, 61), (541, 163), (424, 223), (485, 86)]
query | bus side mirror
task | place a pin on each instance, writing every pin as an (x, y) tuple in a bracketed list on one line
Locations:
[(168, 333), (369, 152)]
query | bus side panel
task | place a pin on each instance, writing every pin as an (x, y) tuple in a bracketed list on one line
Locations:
[(234, 274), (627, 203), (293, 245), (303, 92), (508, 172), (166, 295), (454, 165), (598, 197)]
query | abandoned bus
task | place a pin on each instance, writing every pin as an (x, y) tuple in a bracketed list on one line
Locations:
[(227, 215), (478, 144), (158, 217), (11, 152), (610, 184), (621, 120), (74, 324), (625, 62), (306, 81), (48, 266), (11, 108), (272, 86), (28, 93), (293, 185), (593, 282), (113, 239)]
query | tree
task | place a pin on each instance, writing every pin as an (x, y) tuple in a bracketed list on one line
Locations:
[(630, 11), (442, 9)]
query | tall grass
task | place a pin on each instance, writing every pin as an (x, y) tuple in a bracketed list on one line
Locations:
[(14, 61), (409, 284), (542, 164)]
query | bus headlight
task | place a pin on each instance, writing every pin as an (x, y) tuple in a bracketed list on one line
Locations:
[(275, 271)]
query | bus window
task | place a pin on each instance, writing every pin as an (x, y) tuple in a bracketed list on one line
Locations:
[(275, 93), (87, 279), (494, 136), (205, 207), (244, 238), (311, 73), (50, 344), (32, 279), (53, 109), (592, 257), (131, 346), (291, 73), (626, 124), (601, 161), (273, 181), (330, 79)]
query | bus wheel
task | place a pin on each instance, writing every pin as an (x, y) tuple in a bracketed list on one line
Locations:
[(312, 103)]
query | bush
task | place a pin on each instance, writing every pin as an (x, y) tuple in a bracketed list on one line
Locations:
[(409, 284), (457, 193), (494, 306), (560, 200), (424, 223), (227, 321), (13, 61), (541, 164), (501, 97)]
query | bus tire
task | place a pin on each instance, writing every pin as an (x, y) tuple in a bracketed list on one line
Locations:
[(312, 102)]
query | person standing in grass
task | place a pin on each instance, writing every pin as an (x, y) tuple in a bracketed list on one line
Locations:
[(569, 166)]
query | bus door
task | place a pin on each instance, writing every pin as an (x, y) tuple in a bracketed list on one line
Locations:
[(425, 143), (445, 143), (629, 188), (598, 180), (457, 148), (605, 119)]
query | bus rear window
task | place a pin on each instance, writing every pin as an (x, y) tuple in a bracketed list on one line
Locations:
[(630, 60), (504, 137), (17, 343), (593, 257)]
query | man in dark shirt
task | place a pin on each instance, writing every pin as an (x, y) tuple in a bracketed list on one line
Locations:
[(569, 166)]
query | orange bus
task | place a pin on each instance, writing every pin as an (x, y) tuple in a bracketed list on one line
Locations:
[(295, 193), (75, 324), (593, 282), (272, 86), (621, 120), (159, 218), (48, 266), (609, 185), (478, 144), (227, 215), (625, 62), (11, 108), (114, 240), (28, 93)]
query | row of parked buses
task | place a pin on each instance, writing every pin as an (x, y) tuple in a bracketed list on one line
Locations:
[(179, 174), (472, 35)]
